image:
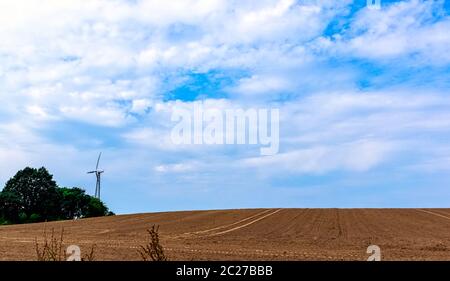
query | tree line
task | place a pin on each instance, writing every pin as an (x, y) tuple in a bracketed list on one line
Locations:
[(33, 196)]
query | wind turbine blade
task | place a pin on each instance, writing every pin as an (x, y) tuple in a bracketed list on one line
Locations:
[(91, 172), (98, 160)]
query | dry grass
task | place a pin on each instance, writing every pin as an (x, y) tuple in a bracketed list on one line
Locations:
[(153, 251), (90, 256), (52, 248)]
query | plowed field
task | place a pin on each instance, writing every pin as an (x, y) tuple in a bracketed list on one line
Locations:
[(251, 234)]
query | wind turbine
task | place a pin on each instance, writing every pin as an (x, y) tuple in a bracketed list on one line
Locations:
[(98, 174)]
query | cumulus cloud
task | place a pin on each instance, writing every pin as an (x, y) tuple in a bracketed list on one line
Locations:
[(175, 168), (262, 85), (357, 156), (405, 29)]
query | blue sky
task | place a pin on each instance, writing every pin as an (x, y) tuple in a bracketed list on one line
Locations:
[(363, 96)]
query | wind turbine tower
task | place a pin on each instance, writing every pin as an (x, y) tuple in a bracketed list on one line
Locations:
[(98, 174)]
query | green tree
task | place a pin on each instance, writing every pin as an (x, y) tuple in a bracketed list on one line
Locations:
[(74, 202), (10, 207), (96, 208), (37, 193), (32, 196)]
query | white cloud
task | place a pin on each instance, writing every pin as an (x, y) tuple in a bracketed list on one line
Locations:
[(140, 105), (357, 156), (96, 62), (150, 137), (405, 28), (175, 168), (347, 131), (104, 116), (263, 85), (39, 113)]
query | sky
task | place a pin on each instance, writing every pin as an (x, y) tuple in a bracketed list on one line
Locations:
[(363, 96)]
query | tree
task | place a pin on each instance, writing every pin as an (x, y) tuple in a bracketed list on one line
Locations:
[(96, 208), (10, 207), (32, 196), (37, 193), (74, 202)]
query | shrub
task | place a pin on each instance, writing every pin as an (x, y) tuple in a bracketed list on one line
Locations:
[(23, 218), (52, 249), (153, 250), (34, 218)]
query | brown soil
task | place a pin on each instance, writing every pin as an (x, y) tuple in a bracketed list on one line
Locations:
[(251, 234)]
